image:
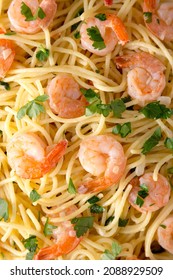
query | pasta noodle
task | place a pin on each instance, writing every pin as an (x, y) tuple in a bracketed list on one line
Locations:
[(117, 222)]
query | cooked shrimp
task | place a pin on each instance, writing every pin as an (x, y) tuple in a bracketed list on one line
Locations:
[(160, 21), (65, 97), (28, 155), (102, 156), (64, 237), (157, 195), (165, 234), (19, 22), (108, 2), (146, 80), (7, 54), (111, 30)]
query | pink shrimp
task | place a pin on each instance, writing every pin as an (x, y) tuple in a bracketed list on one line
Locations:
[(111, 31), (157, 192), (19, 22), (159, 18), (146, 80), (65, 97), (108, 2), (165, 234), (64, 237), (28, 155), (7, 54), (102, 156)]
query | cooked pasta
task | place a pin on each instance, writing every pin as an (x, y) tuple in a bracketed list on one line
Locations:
[(86, 130)]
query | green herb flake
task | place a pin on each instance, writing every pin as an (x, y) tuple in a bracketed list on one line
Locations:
[(122, 222), (144, 191), (109, 220), (123, 130), (10, 33), (33, 108), (31, 243), (152, 141), (30, 255), (101, 16), (139, 201), (5, 85), (163, 226), (155, 110), (82, 225), (71, 187), (104, 109), (95, 36), (48, 228), (95, 208), (34, 195), (118, 107), (42, 54), (40, 13), (77, 35), (113, 254), (169, 143), (147, 17), (4, 211), (75, 25), (93, 199), (170, 170), (26, 11)]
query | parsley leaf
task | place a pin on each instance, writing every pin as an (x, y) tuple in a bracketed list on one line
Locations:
[(118, 107), (101, 16), (40, 13), (34, 195), (123, 130), (155, 110), (142, 193), (122, 222), (48, 228), (6, 85), (71, 187), (75, 25), (82, 224), (109, 220), (77, 35), (93, 199), (32, 108), (4, 211), (170, 170), (31, 243), (26, 11), (95, 36), (42, 54), (30, 255), (152, 141), (169, 143), (113, 254), (95, 208), (148, 17)]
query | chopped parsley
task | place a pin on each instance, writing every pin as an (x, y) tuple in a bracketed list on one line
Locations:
[(109, 220), (71, 187), (75, 25), (42, 54), (169, 143), (122, 222), (4, 211), (77, 35), (48, 228), (31, 244), (95, 36), (101, 16), (93, 199), (26, 11), (147, 17), (170, 170), (152, 141), (34, 195), (33, 108), (10, 32), (155, 110), (5, 85), (95, 208), (118, 107), (82, 224), (122, 130), (142, 194), (113, 253)]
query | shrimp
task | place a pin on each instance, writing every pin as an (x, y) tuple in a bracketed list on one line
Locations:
[(157, 195), (7, 54), (65, 97), (146, 79), (160, 21), (18, 20), (102, 156), (28, 155), (111, 31), (64, 237), (108, 2), (165, 234)]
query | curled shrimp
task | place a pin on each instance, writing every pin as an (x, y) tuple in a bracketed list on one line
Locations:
[(64, 237), (7, 54), (102, 156), (160, 21), (65, 97), (18, 20), (112, 31), (165, 234), (30, 158), (157, 196), (146, 79)]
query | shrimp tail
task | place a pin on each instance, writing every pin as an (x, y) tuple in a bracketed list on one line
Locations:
[(96, 185), (118, 27), (56, 153)]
